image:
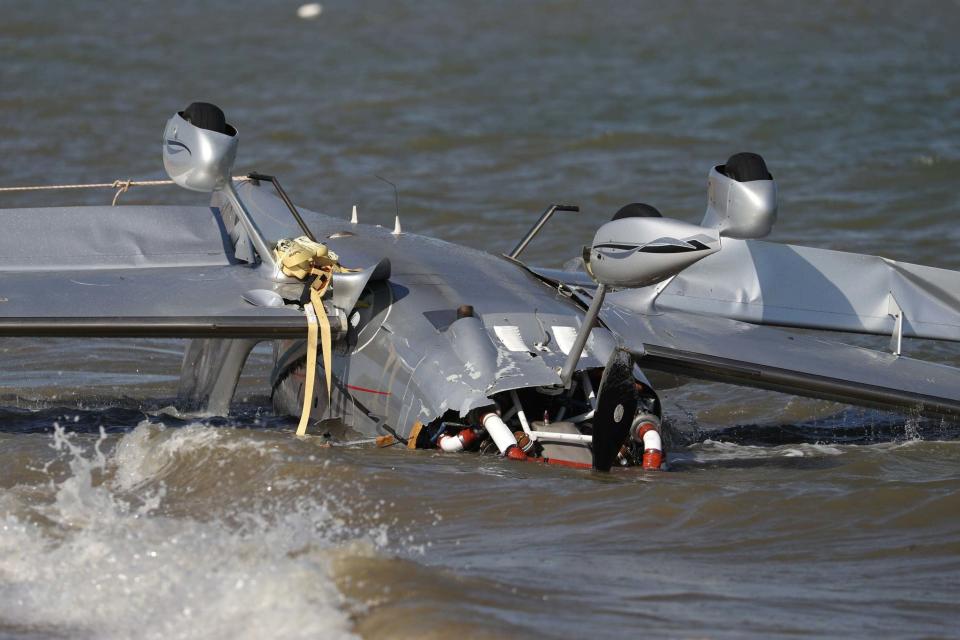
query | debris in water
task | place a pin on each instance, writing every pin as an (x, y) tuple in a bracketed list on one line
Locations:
[(310, 10)]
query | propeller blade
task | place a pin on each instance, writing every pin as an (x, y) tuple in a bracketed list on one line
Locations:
[(616, 406)]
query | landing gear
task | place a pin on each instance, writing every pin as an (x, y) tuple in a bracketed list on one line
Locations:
[(619, 425)]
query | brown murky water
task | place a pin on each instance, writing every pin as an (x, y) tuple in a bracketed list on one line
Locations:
[(781, 516)]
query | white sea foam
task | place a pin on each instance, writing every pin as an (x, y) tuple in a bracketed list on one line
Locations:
[(95, 560), (717, 450), (147, 453)]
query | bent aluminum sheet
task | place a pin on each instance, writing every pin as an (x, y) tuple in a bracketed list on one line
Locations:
[(776, 284), (157, 271), (739, 353), (427, 359), (163, 302), (83, 238)]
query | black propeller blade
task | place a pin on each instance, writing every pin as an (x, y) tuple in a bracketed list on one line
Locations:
[(616, 407)]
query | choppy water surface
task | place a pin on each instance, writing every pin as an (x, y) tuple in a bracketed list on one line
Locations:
[(781, 517)]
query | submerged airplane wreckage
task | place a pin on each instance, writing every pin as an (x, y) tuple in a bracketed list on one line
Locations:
[(436, 346)]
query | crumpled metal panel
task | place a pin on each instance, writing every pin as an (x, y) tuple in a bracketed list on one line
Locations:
[(776, 284), (127, 237), (746, 354), (159, 302), (423, 361)]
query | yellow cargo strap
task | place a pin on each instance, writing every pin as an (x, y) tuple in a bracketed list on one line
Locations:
[(300, 259)]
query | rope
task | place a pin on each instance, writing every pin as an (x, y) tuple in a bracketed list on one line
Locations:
[(116, 184), (120, 185), (121, 189)]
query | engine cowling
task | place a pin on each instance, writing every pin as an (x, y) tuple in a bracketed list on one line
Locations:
[(196, 157), (641, 251), (741, 198)]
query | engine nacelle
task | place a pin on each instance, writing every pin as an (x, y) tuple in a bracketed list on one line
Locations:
[(638, 252), (741, 198), (196, 157)]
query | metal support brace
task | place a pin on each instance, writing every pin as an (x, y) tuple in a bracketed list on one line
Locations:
[(252, 230), (894, 310), (209, 374), (566, 373), (535, 229)]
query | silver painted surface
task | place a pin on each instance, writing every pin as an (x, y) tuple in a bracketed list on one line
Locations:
[(406, 357), (409, 358), (817, 366), (70, 239), (209, 374), (776, 284), (264, 251), (740, 209), (169, 292), (636, 252), (198, 159)]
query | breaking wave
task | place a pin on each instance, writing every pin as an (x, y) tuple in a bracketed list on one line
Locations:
[(179, 533)]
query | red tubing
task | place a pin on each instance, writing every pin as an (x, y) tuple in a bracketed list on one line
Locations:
[(652, 459), (649, 435), (468, 437), (516, 453)]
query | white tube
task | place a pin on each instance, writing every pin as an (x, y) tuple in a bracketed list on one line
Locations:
[(520, 414), (651, 440), (563, 437), (499, 431), (451, 444)]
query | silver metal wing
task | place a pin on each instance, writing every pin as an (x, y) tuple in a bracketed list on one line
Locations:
[(158, 271), (707, 322), (777, 284), (739, 353)]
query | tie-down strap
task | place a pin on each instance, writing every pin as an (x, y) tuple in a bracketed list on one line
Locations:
[(302, 259)]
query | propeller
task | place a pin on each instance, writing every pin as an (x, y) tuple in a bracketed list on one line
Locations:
[(616, 406)]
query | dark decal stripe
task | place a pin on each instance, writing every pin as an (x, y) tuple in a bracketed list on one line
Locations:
[(612, 245), (177, 143), (668, 248)]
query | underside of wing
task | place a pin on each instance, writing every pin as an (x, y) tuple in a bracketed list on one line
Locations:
[(739, 353), (785, 285), (174, 302), (133, 272), (768, 283)]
